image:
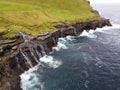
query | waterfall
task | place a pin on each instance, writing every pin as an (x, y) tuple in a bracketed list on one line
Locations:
[(26, 58), (38, 53), (42, 50), (54, 41), (25, 37), (34, 52), (33, 55)]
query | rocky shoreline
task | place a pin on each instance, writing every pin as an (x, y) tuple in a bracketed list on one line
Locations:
[(23, 52)]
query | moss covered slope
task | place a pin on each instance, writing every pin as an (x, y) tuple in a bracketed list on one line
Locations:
[(39, 16)]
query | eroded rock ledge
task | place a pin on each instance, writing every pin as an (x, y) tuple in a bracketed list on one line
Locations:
[(18, 55)]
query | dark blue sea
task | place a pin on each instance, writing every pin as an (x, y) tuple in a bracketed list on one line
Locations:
[(90, 61)]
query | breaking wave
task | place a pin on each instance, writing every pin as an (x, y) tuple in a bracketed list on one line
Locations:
[(50, 61), (91, 33), (64, 43)]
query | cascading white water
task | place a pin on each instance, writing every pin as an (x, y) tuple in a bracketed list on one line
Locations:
[(25, 37), (38, 53), (27, 59), (42, 50), (33, 55)]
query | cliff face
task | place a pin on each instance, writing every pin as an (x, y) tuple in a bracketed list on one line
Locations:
[(23, 52)]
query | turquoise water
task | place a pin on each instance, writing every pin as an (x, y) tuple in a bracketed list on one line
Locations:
[(90, 61)]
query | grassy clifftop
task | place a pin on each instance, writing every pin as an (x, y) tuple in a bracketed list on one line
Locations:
[(39, 16)]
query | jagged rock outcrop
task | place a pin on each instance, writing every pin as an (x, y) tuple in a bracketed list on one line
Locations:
[(23, 52)]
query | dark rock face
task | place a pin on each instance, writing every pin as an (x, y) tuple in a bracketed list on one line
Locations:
[(24, 55)]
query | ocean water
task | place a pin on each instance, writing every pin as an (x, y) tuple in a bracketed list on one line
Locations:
[(90, 61)]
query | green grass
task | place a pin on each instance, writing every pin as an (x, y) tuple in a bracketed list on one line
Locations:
[(39, 16)]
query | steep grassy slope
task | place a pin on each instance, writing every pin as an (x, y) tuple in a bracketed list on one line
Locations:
[(38, 16)]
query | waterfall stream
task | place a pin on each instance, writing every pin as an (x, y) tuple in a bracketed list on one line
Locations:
[(25, 36), (28, 62)]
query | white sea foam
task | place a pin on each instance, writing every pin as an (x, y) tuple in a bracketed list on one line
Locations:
[(50, 61), (64, 43), (114, 26), (89, 34), (26, 82), (70, 38), (61, 44), (29, 79), (99, 30)]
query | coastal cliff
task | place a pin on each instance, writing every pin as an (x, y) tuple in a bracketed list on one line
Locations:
[(24, 53), (23, 50)]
